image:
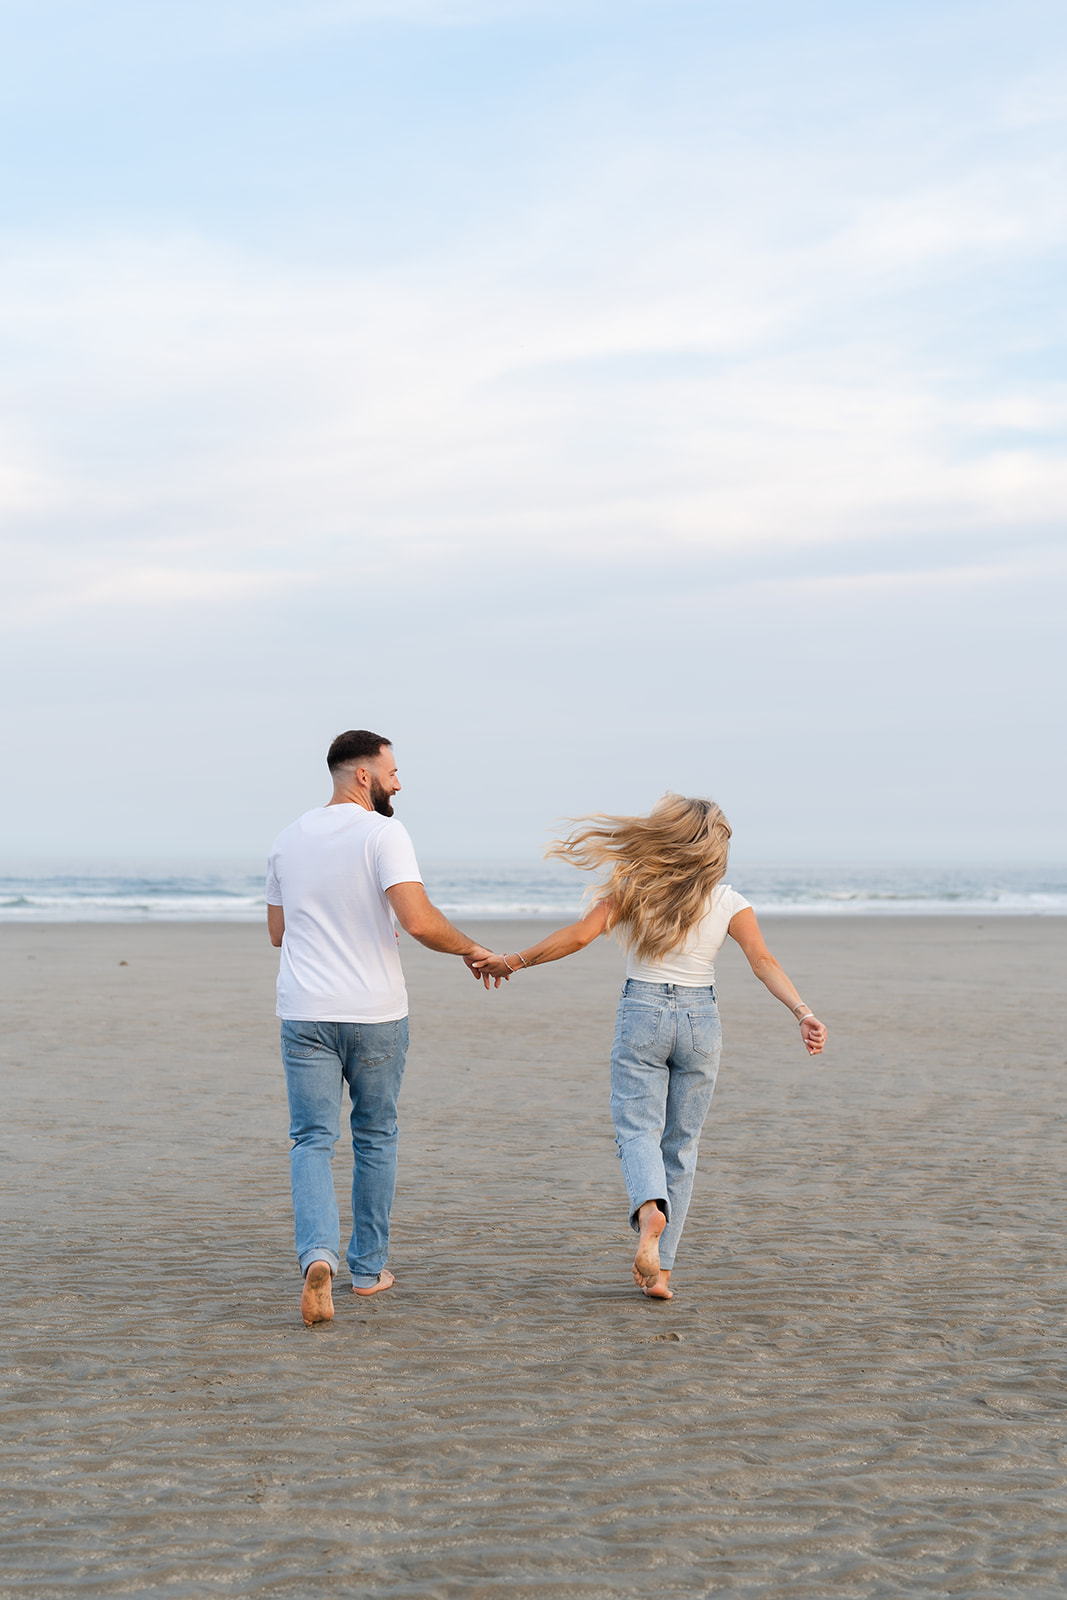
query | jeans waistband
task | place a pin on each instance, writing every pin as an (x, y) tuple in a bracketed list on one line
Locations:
[(669, 991)]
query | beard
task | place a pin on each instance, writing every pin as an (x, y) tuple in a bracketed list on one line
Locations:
[(380, 800)]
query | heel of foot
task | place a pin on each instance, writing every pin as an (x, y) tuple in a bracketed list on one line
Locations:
[(316, 1302), (646, 1261)]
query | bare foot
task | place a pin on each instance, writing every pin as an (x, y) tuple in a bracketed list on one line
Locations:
[(385, 1281), (659, 1288), (646, 1261), (316, 1302)]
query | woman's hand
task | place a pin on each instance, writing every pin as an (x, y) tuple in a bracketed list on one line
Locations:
[(813, 1033), (473, 961), (491, 966)]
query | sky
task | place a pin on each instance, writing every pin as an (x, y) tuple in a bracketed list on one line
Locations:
[(595, 399)]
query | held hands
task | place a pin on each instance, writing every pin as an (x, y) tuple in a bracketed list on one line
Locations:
[(492, 966), (483, 964), (813, 1033)]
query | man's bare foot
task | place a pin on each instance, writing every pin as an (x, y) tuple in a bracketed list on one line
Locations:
[(316, 1302), (385, 1281), (646, 1262), (659, 1288)]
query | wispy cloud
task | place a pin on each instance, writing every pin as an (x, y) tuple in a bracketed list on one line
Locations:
[(430, 331), (176, 393)]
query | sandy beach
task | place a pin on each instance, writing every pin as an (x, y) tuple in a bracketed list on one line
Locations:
[(857, 1391)]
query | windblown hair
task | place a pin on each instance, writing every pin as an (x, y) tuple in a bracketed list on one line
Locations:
[(661, 869), (358, 744)]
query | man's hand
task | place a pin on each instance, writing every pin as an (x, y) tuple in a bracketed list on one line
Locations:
[(478, 955)]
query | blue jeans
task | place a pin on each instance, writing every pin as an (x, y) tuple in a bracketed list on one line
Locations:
[(663, 1066), (320, 1057)]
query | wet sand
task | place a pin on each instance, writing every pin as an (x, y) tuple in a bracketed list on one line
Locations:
[(857, 1391)]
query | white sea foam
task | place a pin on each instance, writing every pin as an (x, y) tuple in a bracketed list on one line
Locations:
[(859, 904)]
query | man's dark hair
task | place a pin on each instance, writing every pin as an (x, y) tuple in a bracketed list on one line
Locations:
[(358, 744)]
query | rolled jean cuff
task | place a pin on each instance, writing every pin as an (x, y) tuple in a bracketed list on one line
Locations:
[(660, 1199), (318, 1253), (365, 1280)]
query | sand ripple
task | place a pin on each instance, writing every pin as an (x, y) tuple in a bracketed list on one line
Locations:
[(858, 1391)]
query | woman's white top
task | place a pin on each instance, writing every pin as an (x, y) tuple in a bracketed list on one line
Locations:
[(693, 962)]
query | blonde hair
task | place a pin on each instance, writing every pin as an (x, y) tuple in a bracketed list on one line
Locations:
[(661, 868)]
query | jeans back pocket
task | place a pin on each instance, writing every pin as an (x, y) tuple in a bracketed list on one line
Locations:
[(302, 1040), (639, 1024), (707, 1033), (376, 1042)]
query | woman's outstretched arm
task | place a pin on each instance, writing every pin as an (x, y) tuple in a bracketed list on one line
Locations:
[(746, 930), (564, 942)]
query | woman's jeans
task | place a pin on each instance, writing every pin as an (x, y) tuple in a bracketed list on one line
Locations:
[(320, 1057), (663, 1066)]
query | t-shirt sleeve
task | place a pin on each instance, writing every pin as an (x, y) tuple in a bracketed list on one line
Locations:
[(274, 888), (732, 903), (395, 857)]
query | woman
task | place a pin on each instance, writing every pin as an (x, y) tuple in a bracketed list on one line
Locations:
[(666, 897)]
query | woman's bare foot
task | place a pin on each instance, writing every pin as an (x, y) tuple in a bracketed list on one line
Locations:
[(660, 1288), (385, 1281), (316, 1302), (646, 1262)]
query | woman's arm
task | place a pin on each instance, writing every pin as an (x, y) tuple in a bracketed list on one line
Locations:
[(564, 942), (746, 930)]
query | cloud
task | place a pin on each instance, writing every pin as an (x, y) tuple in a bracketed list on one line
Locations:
[(672, 326), (514, 375), (118, 586), (179, 397)]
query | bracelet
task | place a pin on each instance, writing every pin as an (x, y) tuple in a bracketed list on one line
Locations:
[(507, 963), (793, 1009), (807, 1017), (522, 958)]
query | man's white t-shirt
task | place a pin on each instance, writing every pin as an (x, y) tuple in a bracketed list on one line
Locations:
[(693, 962), (329, 871)]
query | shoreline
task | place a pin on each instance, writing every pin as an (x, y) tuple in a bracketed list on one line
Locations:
[(542, 923)]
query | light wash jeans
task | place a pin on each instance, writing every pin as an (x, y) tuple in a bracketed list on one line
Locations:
[(320, 1057), (663, 1066)]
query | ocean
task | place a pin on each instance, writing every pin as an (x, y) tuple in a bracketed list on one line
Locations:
[(233, 891)]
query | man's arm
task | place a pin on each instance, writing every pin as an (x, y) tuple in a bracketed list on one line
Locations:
[(275, 925), (417, 915)]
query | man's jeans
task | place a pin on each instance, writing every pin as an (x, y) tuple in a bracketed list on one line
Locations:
[(318, 1057), (663, 1066)]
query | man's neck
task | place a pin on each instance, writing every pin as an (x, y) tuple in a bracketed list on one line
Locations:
[(350, 797)]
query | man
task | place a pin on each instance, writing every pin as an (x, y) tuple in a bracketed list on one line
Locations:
[(336, 877)]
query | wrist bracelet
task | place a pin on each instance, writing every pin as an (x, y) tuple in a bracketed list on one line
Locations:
[(807, 1017), (522, 958), (507, 963), (793, 1009)]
